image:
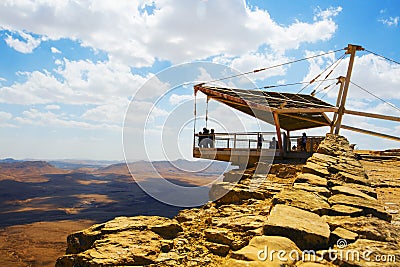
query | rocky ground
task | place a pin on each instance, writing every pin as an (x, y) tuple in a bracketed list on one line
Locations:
[(333, 211)]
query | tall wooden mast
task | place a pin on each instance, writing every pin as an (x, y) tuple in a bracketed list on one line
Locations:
[(351, 49)]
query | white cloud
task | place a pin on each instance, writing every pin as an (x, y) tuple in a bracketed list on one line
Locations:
[(169, 33), (175, 99), (49, 119), (108, 113), (327, 13), (55, 50), (52, 107), (79, 82), (26, 45), (391, 21), (5, 116), (372, 73)]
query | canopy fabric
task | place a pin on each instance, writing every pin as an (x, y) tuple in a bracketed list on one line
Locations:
[(294, 111)]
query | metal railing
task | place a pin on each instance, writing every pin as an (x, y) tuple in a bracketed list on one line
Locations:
[(250, 140), (312, 143), (255, 140)]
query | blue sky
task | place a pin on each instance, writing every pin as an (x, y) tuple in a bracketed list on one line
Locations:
[(69, 69)]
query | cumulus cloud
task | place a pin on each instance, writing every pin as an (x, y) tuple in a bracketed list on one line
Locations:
[(78, 82), (5, 116), (391, 21), (26, 45), (175, 99), (55, 50), (372, 73), (50, 119), (52, 107), (137, 37)]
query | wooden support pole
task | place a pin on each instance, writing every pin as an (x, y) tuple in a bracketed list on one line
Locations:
[(305, 110), (354, 129), (351, 49), (372, 115), (341, 80), (278, 131)]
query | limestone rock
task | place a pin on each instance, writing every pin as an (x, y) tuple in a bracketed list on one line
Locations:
[(323, 191), (241, 222), (82, 240), (242, 263), (218, 249), (365, 189), (344, 210), (371, 253), (351, 178), (311, 179), (366, 227), (342, 233), (225, 193), (346, 190), (308, 230), (132, 247), (369, 206), (218, 236), (260, 250), (316, 169), (302, 199)]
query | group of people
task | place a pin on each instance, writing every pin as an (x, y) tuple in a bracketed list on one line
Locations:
[(273, 144), (206, 138), (303, 143)]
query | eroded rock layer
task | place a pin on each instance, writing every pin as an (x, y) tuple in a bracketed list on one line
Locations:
[(324, 213)]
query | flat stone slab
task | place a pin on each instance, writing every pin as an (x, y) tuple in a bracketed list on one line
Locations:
[(366, 227), (302, 199), (267, 244), (346, 190), (369, 206), (342, 233), (344, 210), (308, 230), (372, 254), (323, 191), (316, 169), (351, 178), (311, 179)]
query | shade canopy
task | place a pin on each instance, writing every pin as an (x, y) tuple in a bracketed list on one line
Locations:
[(294, 111)]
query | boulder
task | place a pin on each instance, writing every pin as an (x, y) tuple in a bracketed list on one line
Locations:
[(218, 249), (132, 247), (265, 249), (366, 227), (316, 169), (351, 178), (308, 230), (344, 210), (323, 191), (302, 199), (370, 253), (346, 190), (226, 193), (342, 233), (369, 206), (311, 179), (82, 240)]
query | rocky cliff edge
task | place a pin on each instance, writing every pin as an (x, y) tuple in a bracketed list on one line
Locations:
[(324, 213)]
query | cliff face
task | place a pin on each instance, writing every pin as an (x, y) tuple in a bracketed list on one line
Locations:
[(327, 203)]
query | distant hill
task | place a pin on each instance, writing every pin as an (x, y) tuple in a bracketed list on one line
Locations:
[(71, 164), (180, 166), (27, 171)]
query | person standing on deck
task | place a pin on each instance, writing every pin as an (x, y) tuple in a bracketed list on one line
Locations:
[(304, 142), (260, 139)]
